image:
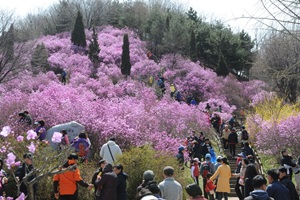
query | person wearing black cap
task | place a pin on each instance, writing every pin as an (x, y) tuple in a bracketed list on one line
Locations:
[(286, 181), (110, 150), (65, 184), (23, 170), (101, 165), (170, 189)]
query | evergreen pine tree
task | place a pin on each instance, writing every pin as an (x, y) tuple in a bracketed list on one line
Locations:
[(193, 51), (78, 34), (168, 23), (94, 49), (126, 65), (222, 69), (40, 58)]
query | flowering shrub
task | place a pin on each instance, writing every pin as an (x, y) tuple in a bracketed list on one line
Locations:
[(273, 126)]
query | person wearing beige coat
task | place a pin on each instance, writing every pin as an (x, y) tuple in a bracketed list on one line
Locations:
[(223, 185)]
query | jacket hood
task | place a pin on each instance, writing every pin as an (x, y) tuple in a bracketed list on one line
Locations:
[(108, 168), (259, 195)]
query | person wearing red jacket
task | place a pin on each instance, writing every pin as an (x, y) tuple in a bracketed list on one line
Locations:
[(65, 184), (210, 187)]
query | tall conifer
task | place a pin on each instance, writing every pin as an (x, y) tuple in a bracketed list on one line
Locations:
[(78, 34), (126, 65)]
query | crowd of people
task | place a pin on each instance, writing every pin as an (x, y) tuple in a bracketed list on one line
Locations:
[(197, 154)]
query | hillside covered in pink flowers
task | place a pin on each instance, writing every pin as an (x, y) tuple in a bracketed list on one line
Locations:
[(129, 109)]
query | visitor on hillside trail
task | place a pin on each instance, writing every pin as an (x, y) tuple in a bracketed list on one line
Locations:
[(194, 191), (64, 140), (250, 173), (259, 184), (22, 172), (122, 184), (287, 182), (64, 77), (232, 121), (276, 189), (25, 118), (288, 162), (252, 161), (150, 81), (107, 184), (99, 172), (195, 170), (193, 102), (180, 157), (207, 107), (3, 178), (65, 184), (177, 96), (225, 134), (197, 148), (206, 148), (217, 165), (81, 146), (245, 135), (172, 90), (216, 122), (110, 150), (224, 173), (170, 189), (206, 167), (40, 130), (232, 142), (248, 150), (210, 187), (149, 184), (240, 181), (148, 176)]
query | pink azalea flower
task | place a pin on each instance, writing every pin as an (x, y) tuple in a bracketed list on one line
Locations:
[(5, 131), (31, 147), (21, 197), (20, 138), (31, 135), (10, 160), (9, 198), (56, 138)]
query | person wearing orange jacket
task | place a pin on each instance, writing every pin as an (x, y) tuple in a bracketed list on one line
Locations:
[(65, 184)]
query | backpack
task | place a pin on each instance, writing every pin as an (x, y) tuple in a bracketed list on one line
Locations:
[(205, 168), (245, 135)]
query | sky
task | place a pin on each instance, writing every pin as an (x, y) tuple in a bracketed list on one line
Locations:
[(226, 11)]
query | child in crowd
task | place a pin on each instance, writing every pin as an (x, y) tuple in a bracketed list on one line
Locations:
[(195, 170), (210, 187)]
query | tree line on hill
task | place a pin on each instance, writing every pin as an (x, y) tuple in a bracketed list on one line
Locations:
[(169, 27)]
